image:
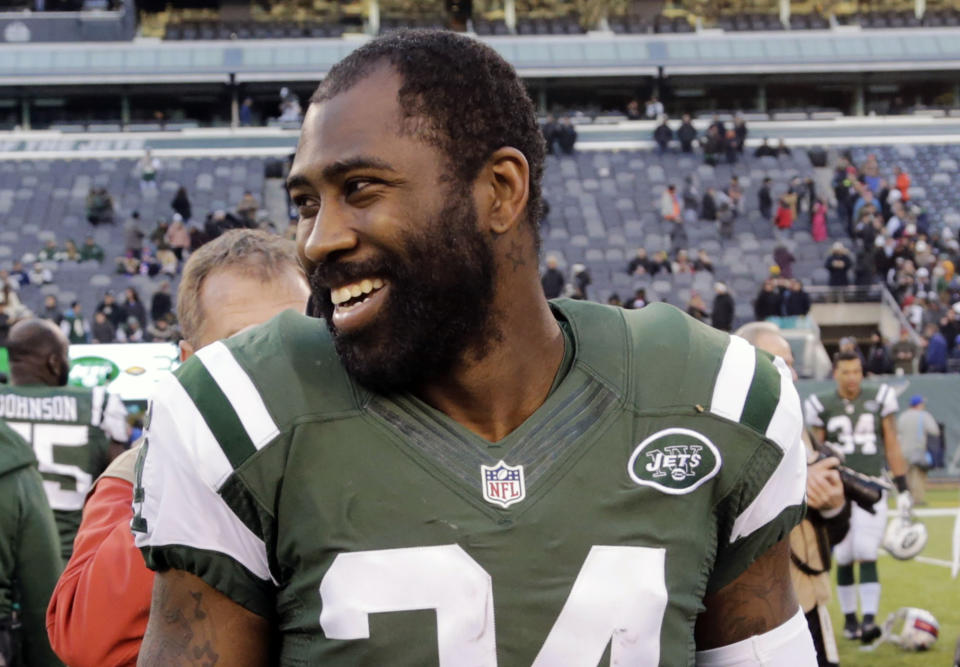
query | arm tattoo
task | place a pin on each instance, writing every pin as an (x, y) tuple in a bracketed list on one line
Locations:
[(180, 637), (757, 601)]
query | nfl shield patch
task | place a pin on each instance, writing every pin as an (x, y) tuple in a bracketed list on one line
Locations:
[(503, 484)]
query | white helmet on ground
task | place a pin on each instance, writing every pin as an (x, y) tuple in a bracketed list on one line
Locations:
[(904, 538), (912, 629)]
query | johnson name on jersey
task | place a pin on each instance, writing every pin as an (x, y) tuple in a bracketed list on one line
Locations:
[(70, 429), (376, 530), (855, 427)]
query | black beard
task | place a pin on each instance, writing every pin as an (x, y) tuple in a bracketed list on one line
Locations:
[(439, 308)]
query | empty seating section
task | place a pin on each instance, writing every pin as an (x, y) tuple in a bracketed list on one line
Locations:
[(41, 199)]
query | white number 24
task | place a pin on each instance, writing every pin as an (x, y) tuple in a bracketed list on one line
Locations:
[(620, 594)]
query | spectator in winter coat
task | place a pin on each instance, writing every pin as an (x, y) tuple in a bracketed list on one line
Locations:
[(838, 264), (783, 219), (904, 352), (796, 301), (181, 204), (765, 200), (90, 251), (40, 275), (784, 259), (878, 358), (133, 307), (708, 207), (178, 236), (767, 303), (818, 221), (640, 264), (112, 310), (663, 135), (686, 134), (765, 149), (51, 310), (902, 182), (936, 354), (74, 326), (721, 316), (102, 330), (552, 279), (162, 303)]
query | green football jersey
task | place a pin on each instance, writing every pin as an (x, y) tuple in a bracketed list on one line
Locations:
[(855, 428), (69, 429), (375, 530)]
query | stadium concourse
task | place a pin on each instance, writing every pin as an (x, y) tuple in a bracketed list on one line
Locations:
[(605, 201)]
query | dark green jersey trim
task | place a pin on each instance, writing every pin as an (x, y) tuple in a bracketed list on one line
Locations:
[(763, 395), (216, 411), (734, 559)]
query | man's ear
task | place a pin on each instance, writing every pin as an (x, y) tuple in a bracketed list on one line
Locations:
[(507, 182), (55, 365), (186, 350)]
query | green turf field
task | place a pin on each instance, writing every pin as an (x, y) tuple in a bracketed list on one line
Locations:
[(915, 584)]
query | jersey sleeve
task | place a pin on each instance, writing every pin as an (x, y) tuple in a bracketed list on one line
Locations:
[(768, 499), (110, 415), (887, 398), (182, 519), (813, 411)]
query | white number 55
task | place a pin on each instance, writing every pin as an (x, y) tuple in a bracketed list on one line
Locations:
[(620, 595)]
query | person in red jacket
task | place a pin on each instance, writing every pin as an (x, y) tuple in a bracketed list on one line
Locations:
[(99, 608)]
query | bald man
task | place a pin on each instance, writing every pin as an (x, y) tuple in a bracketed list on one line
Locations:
[(75, 431), (828, 518), (241, 279)]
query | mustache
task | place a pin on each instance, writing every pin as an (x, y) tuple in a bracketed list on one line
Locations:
[(325, 276)]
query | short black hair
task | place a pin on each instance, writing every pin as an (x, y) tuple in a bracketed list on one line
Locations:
[(845, 356), (472, 99)]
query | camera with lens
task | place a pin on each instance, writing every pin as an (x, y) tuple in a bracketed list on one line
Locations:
[(861, 489)]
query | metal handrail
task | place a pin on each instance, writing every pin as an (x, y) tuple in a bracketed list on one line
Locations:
[(891, 302)]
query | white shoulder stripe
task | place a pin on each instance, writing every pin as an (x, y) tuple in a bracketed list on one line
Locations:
[(96, 405), (733, 380), (181, 506), (193, 433), (787, 485), (816, 402), (240, 391)]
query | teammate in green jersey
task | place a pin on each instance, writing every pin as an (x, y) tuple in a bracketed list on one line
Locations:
[(860, 423), (75, 432), (29, 556), (449, 470)]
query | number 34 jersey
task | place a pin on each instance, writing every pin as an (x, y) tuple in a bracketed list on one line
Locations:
[(855, 427), (70, 429), (375, 530)]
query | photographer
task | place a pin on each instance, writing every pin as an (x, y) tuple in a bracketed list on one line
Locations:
[(826, 523)]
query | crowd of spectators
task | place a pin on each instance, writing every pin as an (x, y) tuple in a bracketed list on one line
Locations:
[(889, 238), (156, 250), (896, 243)]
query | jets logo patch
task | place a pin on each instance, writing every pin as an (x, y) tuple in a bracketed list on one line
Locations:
[(503, 484), (674, 461)]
